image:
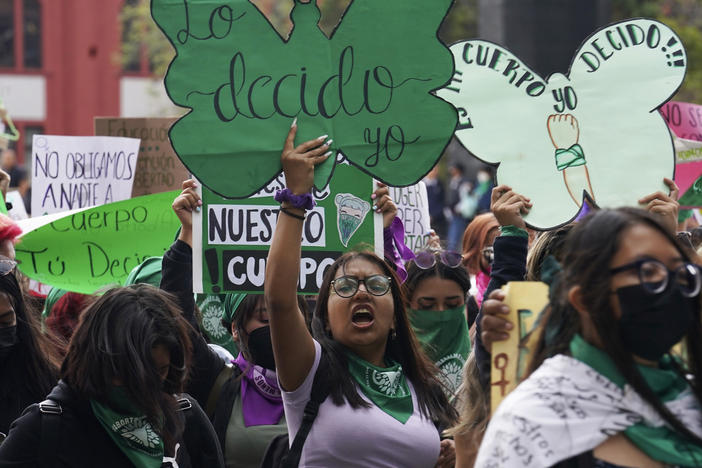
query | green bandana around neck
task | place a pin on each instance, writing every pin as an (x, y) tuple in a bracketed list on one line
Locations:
[(660, 443), (386, 387), (445, 339), (132, 433)]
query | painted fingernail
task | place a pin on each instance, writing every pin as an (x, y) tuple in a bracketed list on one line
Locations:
[(375, 207), (327, 154), (329, 142), (294, 124), (199, 202), (323, 137), (374, 196), (197, 208), (509, 326)]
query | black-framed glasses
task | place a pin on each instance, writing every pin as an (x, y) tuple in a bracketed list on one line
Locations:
[(655, 276), (347, 286), (489, 254), (6, 265), (426, 259)]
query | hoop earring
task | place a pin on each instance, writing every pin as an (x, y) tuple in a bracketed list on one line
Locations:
[(393, 334)]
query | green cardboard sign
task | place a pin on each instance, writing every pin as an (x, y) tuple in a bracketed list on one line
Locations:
[(230, 248), (368, 87), (92, 248), (593, 133)]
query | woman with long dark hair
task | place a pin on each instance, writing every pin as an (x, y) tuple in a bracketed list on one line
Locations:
[(604, 388), (437, 288), (385, 401), (29, 360), (117, 403)]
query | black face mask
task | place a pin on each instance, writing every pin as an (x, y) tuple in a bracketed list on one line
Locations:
[(261, 348), (8, 339), (651, 324)]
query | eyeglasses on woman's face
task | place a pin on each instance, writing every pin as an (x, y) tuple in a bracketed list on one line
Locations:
[(655, 276), (347, 286)]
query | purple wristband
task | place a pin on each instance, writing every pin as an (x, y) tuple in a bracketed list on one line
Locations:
[(304, 201)]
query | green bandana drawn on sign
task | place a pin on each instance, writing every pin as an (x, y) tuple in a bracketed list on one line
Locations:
[(386, 387), (368, 87), (600, 120), (93, 248), (444, 338), (235, 235)]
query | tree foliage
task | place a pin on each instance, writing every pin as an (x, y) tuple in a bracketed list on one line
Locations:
[(685, 18)]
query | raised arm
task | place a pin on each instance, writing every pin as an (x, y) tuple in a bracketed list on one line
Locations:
[(292, 343), (178, 279)]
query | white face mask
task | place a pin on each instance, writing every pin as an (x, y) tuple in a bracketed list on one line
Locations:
[(483, 177)]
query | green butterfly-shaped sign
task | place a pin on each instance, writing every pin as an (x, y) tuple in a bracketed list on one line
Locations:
[(594, 133), (368, 87)]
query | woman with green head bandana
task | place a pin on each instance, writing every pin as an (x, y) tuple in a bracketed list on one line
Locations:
[(119, 400), (241, 398), (250, 411)]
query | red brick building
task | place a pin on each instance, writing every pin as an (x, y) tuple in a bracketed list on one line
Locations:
[(60, 67)]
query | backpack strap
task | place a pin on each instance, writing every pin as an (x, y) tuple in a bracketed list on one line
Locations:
[(320, 391), (224, 375), (228, 393), (183, 404), (50, 412)]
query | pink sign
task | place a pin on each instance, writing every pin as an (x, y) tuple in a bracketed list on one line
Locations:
[(684, 118), (686, 175)]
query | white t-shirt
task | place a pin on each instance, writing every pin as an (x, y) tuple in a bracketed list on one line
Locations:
[(365, 437)]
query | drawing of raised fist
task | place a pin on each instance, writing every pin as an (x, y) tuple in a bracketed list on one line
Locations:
[(563, 130), (570, 157)]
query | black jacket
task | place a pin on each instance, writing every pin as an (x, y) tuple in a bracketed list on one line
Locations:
[(509, 265), (16, 393), (177, 279), (75, 438)]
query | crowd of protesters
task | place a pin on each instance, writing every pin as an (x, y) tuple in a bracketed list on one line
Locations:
[(389, 364)]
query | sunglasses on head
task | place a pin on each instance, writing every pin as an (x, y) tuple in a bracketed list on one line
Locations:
[(427, 258), (6, 265)]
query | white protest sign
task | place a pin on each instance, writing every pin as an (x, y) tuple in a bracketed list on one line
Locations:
[(76, 172), (413, 209), (18, 210)]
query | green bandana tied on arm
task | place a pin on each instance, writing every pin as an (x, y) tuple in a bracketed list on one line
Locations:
[(571, 157), (129, 429), (386, 387), (660, 443), (445, 339)]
